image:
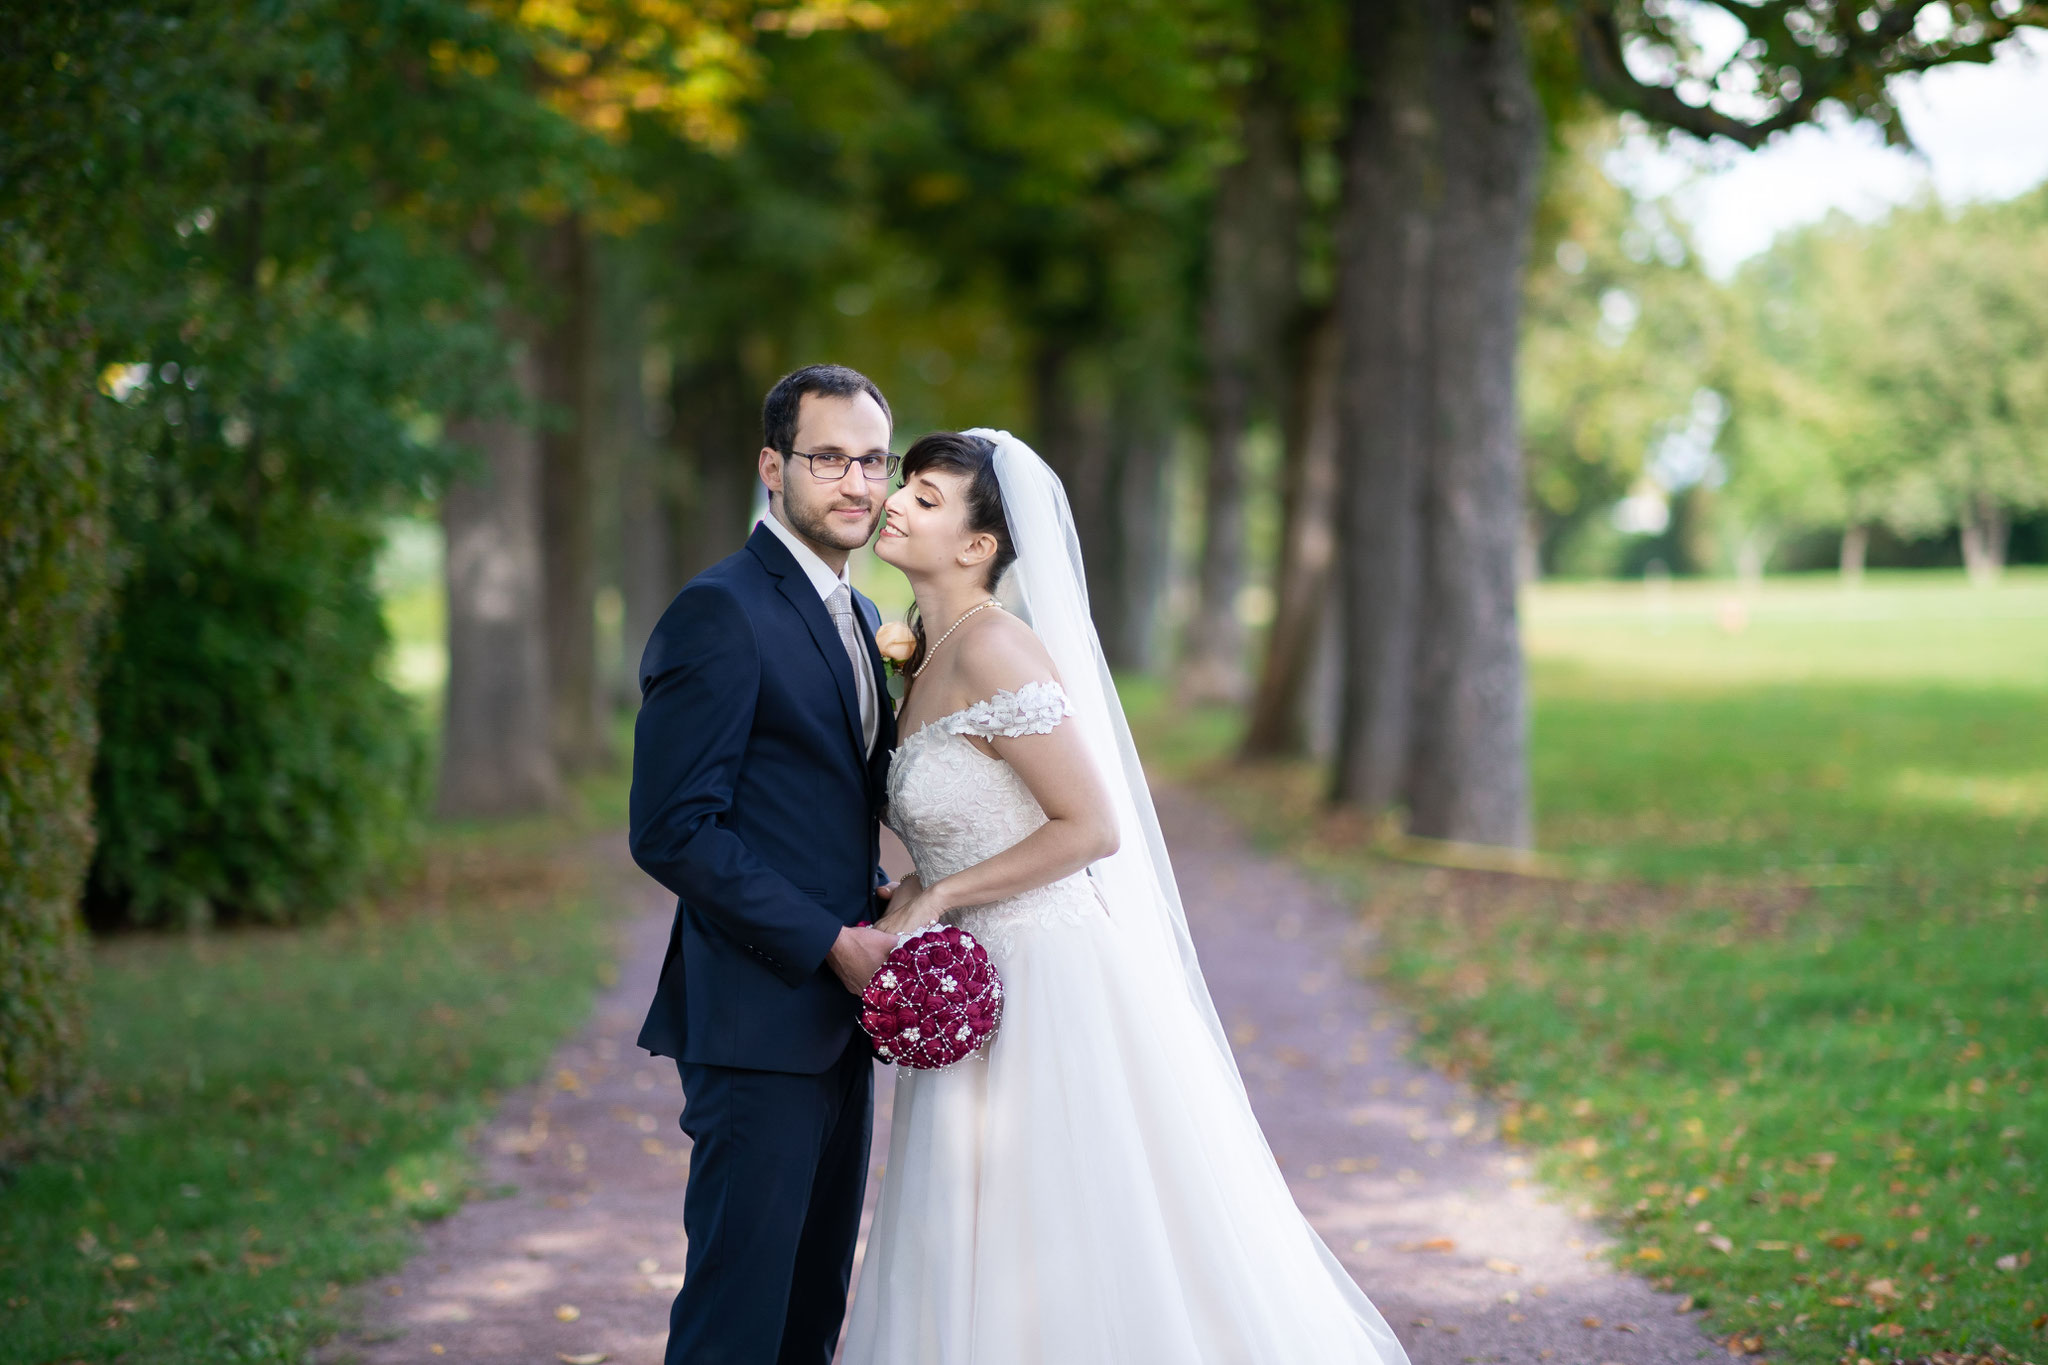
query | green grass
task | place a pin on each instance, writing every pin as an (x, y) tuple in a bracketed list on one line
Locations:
[(1786, 1022), (274, 1111)]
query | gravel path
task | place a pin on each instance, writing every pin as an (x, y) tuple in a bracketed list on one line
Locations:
[(1398, 1167)]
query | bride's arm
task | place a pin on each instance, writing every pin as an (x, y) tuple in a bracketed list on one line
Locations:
[(1080, 823)]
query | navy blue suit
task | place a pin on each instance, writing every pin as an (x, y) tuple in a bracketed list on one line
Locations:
[(756, 803)]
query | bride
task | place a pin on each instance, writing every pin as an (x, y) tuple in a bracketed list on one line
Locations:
[(1092, 1189)]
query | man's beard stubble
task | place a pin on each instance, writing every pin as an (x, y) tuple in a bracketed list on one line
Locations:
[(814, 523)]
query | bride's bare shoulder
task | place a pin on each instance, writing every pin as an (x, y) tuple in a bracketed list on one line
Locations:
[(1003, 655)]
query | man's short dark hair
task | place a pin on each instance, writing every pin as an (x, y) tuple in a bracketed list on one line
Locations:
[(779, 409)]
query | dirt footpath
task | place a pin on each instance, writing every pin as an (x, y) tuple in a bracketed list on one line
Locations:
[(1398, 1167)]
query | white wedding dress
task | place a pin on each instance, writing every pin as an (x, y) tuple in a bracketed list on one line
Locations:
[(1091, 1189)]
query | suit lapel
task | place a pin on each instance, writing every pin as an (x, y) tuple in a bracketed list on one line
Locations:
[(796, 588)]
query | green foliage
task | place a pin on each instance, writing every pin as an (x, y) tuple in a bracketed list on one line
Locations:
[(1886, 374), (1620, 331), (53, 586), (1785, 1024), (277, 1112), (254, 764), (288, 252)]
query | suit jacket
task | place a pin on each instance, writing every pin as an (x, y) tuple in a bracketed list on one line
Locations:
[(755, 804)]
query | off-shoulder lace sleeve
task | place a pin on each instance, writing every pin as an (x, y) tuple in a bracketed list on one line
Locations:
[(1036, 708)]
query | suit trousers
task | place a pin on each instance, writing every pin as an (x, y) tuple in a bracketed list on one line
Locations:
[(778, 1167)]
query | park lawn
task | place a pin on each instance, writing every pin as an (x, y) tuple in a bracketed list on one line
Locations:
[(1783, 1018), (274, 1111)]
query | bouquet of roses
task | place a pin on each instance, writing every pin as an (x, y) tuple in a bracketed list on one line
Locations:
[(935, 1000)]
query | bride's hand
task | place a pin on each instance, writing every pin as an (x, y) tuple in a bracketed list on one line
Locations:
[(910, 908)]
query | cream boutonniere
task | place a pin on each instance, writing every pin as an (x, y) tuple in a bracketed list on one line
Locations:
[(896, 642)]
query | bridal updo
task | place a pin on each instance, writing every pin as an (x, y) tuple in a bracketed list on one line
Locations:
[(974, 459)]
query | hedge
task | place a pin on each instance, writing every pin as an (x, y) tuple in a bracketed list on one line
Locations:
[(54, 576)]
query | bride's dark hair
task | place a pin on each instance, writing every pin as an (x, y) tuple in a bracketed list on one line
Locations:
[(974, 458)]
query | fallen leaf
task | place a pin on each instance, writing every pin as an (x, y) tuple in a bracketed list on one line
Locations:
[(1433, 1244), (568, 1312), (1739, 1345), (438, 1349), (1684, 1305), (648, 1265), (1845, 1241), (1626, 1327), (2009, 1264), (1881, 1289), (1500, 1267), (126, 1260), (1841, 1301), (587, 1358), (1589, 1322), (1721, 1244), (1888, 1329)]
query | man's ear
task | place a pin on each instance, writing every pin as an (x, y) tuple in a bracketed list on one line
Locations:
[(770, 466)]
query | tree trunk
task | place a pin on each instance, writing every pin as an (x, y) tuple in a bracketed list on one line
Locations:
[(1074, 439), (645, 487), (1468, 778), (1985, 530), (1385, 237), (1136, 555), (1855, 543), (569, 502), (497, 757), (717, 437), (1279, 723), (1253, 260)]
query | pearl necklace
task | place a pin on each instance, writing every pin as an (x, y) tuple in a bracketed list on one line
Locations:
[(981, 606)]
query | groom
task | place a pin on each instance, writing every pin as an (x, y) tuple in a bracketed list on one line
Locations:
[(758, 763)]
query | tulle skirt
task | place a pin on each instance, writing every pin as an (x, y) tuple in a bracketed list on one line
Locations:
[(1094, 1191)]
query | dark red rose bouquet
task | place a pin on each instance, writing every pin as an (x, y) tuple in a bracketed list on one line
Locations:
[(936, 998)]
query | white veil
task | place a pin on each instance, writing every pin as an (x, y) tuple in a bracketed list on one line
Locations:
[(1048, 589)]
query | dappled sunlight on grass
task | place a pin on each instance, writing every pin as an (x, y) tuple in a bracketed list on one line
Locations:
[(1785, 1021), (1998, 796), (1896, 627)]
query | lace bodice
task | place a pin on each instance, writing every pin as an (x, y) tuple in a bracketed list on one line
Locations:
[(954, 805)]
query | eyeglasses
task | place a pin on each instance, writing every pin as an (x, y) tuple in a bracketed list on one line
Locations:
[(831, 467)]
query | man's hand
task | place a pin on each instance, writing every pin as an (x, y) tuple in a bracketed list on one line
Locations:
[(858, 954)]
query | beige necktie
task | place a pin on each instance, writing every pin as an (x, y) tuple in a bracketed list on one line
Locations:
[(840, 604)]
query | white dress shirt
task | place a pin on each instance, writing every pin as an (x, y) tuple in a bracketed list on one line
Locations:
[(826, 582)]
